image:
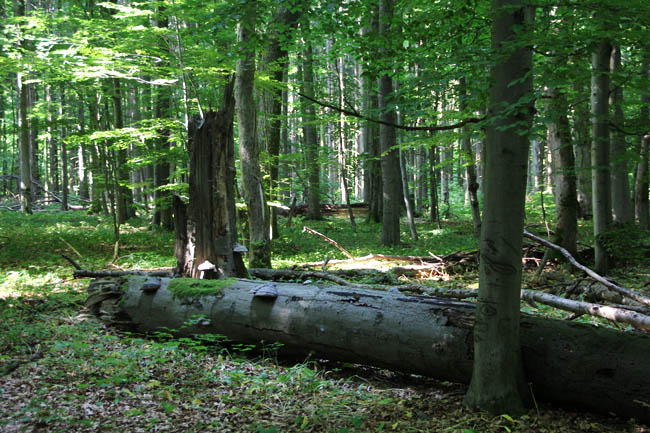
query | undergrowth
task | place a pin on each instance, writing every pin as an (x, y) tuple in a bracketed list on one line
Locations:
[(70, 374)]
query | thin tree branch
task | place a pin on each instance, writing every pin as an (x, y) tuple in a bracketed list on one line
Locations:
[(404, 127)]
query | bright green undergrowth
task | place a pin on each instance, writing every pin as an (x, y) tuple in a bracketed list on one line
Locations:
[(165, 378), (189, 287)]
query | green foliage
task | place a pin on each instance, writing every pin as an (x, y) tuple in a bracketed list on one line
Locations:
[(190, 288), (626, 244)]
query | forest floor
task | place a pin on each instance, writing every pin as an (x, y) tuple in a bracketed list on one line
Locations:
[(62, 372)]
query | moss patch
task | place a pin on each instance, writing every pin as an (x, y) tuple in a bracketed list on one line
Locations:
[(190, 287)]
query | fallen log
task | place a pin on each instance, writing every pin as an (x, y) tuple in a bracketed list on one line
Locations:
[(570, 364)]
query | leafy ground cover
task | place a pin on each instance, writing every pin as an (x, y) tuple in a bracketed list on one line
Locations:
[(61, 372)]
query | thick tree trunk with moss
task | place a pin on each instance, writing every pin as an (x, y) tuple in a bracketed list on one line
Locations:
[(498, 382), (570, 364)]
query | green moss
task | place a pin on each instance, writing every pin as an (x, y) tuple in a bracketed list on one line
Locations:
[(190, 287)]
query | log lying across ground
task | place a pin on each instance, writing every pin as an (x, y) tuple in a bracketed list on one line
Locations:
[(569, 364)]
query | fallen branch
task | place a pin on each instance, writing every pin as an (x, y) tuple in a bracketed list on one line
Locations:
[(382, 257), (84, 273), (615, 314), (618, 289), (331, 241)]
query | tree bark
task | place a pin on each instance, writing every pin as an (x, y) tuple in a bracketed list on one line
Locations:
[(470, 165), (311, 140), (600, 180), (622, 211), (390, 168), (65, 186), (275, 60), (162, 197), (206, 229), (498, 382), (566, 201), (259, 246), (25, 163), (573, 365), (582, 146), (125, 208), (641, 185)]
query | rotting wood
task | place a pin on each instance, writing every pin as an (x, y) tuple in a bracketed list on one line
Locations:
[(615, 287), (567, 363)]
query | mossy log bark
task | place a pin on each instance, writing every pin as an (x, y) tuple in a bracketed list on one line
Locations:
[(569, 364)]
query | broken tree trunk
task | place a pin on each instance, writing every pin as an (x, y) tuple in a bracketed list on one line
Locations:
[(206, 229), (569, 364)]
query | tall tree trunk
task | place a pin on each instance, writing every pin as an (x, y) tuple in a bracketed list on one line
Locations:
[(559, 133), (275, 59), (621, 203), (26, 199), (434, 212), (124, 199), (82, 169), (642, 184), (34, 151), (259, 248), (64, 155), (600, 180), (498, 384), (390, 170), (311, 140), (53, 184), (582, 151), (162, 197), (538, 165), (470, 165)]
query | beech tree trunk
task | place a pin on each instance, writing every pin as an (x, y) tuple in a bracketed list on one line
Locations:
[(470, 165), (311, 140), (390, 168), (570, 364), (641, 200), (600, 161), (566, 201), (162, 197), (582, 146), (498, 383), (621, 203), (259, 246)]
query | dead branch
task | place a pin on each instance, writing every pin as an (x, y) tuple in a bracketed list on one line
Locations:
[(84, 273), (73, 263), (331, 241), (614, 314), (622, 290), (358, 115)]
